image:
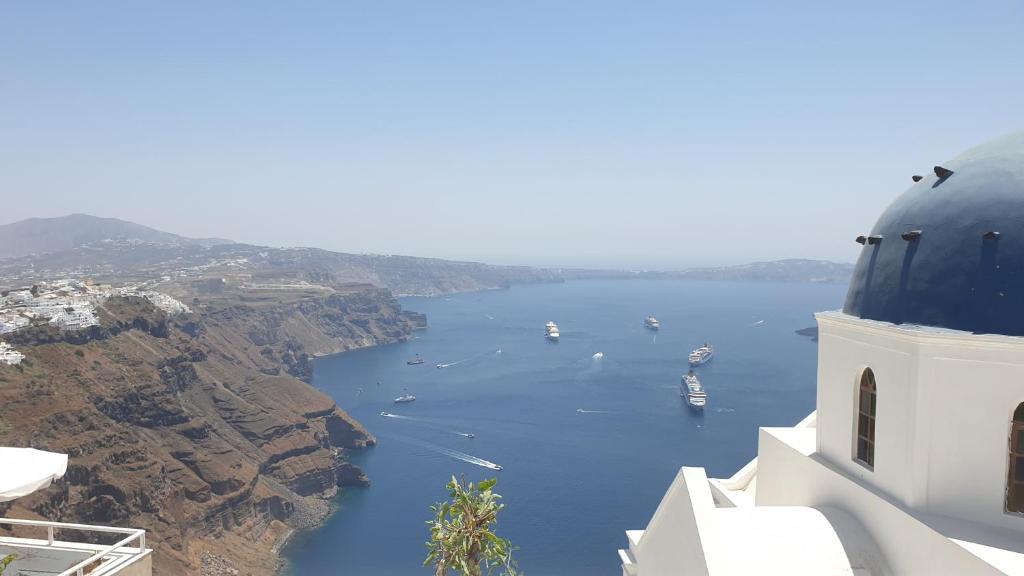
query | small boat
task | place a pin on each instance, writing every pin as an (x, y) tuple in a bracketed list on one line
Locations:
[(405, 398), (551, 332), (413, 361), (439, 366), (598, 356), (467, 434), (385, 413), (693, 391), (651, 323), (702, 355)]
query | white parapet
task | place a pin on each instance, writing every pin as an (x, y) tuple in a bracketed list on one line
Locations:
[(49, 555)]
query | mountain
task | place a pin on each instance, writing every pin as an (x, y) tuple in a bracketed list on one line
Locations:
[(46, 235), (200, 427), (791, 270)]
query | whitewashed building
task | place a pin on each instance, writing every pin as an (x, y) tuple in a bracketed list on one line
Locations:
[(10, 356), (913, 462)]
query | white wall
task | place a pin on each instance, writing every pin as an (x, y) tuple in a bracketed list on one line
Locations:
[(844, 351), (900, 544), (673, 542), (944, 404)]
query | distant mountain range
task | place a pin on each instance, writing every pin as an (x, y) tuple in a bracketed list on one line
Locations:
[(45, 235), (112, 250), (790, 270)]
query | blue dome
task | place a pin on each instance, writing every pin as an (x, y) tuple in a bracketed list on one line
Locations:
[(949, 252)]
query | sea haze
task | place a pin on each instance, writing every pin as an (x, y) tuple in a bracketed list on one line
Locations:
[(573, 481)]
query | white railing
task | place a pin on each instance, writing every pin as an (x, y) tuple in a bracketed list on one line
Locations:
[(79, 569)]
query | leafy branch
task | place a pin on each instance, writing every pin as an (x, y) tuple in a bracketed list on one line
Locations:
[(462, 534)]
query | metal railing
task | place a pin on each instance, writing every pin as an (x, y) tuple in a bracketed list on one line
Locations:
[(79, 569)]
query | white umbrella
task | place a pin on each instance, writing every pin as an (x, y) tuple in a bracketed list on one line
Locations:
[(25, 470)]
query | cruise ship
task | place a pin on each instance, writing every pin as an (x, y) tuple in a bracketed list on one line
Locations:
[(551, 331), (652, 323), (693, 392), (405, 398), (702, 355)]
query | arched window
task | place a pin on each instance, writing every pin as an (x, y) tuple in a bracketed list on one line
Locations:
[(866, 419), (1015, 482)]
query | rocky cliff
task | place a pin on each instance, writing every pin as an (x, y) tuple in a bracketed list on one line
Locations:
[(199, 427)]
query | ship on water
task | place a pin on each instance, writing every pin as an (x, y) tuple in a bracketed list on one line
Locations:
[(651, 323), (405, 398), (551, 332), (692, 391), (415, 360), (702, 355)]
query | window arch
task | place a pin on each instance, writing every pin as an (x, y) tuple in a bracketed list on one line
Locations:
[(1015, 479), (865, 448)]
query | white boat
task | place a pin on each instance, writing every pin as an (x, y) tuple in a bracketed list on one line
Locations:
[(652, 323), (405, 398), (692, 391), (702, 355), (551, 332)]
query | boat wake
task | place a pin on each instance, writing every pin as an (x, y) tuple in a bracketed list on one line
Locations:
[(582, 411), (494, 352), (655, 340), (488, 316), (758, 323), (468, 458), (720, 410), (429, 424)]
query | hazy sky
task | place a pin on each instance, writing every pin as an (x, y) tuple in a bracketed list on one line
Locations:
[(628, 133)]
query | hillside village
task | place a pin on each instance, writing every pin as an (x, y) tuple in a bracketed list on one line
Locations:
[(67, 304)]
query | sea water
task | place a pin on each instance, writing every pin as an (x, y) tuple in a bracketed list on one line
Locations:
[(587, 445)]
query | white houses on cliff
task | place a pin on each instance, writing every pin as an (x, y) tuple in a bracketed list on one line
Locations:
[(913, 462)]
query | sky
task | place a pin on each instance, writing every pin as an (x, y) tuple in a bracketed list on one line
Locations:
[(629, 133)]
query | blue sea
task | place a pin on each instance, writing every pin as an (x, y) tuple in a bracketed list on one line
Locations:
[(588, 446)]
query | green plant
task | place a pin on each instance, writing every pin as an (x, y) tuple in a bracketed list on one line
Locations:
[(5, 562), (462, 534)]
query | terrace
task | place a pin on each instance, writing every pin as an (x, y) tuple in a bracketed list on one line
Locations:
[(44, 548)]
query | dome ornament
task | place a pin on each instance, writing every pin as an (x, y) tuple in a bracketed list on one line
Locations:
[(942, 173), (911, 235), (877, 239), (862, 239), (991, 235), (917, 177)]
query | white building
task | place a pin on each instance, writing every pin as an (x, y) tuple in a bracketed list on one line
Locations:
[(913, 462), (10, 356)]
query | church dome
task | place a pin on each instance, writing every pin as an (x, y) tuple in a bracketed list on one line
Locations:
[(949, 252)]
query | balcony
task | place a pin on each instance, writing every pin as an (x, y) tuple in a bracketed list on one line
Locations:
[(36, 545), (39, 551)]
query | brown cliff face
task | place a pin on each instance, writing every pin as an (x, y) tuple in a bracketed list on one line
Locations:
[(196, 428)]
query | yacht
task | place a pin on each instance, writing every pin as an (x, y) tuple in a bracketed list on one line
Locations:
[(692, 391), (702, 355), (404, 398), (551, 332), (417, 360), (652, 323)]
